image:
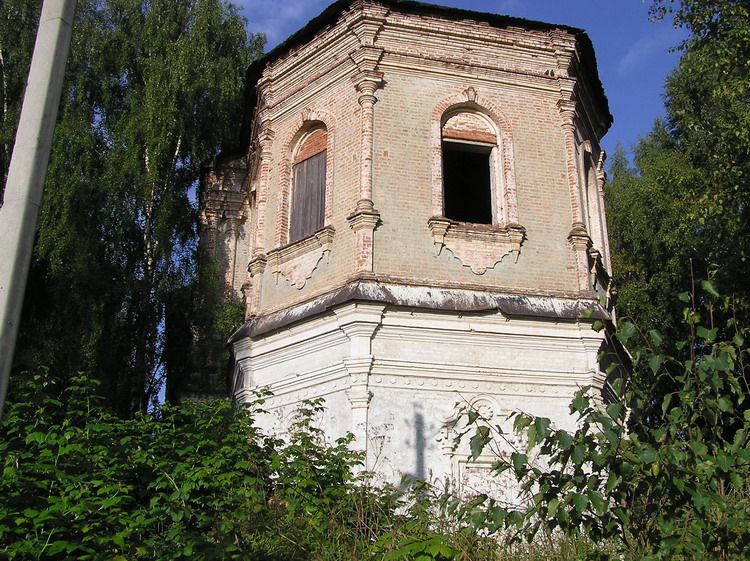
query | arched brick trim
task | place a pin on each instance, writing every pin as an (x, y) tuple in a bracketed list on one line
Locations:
[(601, 178), (470, 101), (308, 119)]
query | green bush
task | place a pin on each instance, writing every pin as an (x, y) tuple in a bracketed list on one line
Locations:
[(662, 471), (78, 482), (197, 481)]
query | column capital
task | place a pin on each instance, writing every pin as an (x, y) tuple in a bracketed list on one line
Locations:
[(568, 111), (363, 220), (367, 82), (579, 238), (367, 58), (257, 264), (265, 140)]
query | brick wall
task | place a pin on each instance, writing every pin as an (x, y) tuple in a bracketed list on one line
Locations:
[(403, 168), (428, 64)]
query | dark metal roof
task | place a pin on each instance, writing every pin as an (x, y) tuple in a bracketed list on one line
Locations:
[(331, 14)]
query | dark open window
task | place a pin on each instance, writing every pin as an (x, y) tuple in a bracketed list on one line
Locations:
[(467, 187), (308, 191), (468, 148)]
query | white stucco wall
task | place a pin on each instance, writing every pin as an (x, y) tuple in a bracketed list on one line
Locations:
[(415, 366)]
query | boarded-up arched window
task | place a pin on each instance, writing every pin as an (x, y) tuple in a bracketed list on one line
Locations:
[(309, 187), (469, 152)]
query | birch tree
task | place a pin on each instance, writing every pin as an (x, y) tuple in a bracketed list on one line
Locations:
[(154, 89), (18, 22)]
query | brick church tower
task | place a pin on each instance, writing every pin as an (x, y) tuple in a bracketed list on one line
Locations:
[(416, 220)]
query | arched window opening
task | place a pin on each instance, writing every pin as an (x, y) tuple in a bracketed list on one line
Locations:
[(308, 190), (469, 151), (593, 207)]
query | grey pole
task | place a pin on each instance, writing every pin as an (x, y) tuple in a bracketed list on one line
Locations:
[(28, 167)]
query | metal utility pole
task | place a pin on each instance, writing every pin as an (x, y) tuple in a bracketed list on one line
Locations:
[(28, 167)]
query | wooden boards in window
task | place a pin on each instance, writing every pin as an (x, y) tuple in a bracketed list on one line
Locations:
[(308, 197)]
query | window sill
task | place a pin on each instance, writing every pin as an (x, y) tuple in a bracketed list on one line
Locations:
[(477, 246), (297, 261)]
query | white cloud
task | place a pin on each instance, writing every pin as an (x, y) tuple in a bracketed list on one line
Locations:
[(646, 49), (279, 18)]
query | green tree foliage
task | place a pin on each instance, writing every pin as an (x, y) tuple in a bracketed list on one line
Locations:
[(685, 205), (670, 487), (652, 223), (152, 90), (708, 103), (18, 22)]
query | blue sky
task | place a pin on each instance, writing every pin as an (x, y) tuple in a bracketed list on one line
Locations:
[(632, 52)]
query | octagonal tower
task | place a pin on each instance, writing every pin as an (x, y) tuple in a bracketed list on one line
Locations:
[(417, 220)]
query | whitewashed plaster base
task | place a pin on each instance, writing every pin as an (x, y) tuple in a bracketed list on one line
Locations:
[(393, 376)]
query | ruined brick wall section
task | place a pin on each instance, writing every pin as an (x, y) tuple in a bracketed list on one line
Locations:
[(309, 85), (428, 60), (337, 100), (422, 62), (469, 127), (404, 167), (381, 81), (225, 224), (592, 172)]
